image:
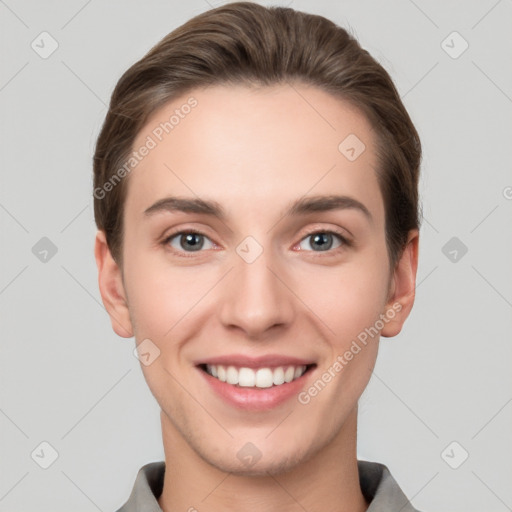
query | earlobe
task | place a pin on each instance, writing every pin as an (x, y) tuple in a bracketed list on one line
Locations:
[(403, 287), (112, 288)]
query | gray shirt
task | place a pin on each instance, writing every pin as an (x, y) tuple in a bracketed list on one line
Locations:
[(377, 485)]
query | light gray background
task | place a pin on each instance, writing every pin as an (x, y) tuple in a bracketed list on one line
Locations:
[(67, 379)]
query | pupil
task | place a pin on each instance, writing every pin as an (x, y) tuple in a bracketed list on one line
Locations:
[(323, 241)]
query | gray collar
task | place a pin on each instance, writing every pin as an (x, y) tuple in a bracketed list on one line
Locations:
[(378, 486)]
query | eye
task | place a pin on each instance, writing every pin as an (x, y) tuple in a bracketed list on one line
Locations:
[(188, 241), (322, 241)]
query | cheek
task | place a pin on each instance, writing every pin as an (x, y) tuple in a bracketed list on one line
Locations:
[(349, 302), (162, 295), (348, 298)]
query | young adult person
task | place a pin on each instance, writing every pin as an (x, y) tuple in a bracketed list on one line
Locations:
[(255, 185)]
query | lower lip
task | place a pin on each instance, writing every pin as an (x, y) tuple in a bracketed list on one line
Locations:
[(256, 399)]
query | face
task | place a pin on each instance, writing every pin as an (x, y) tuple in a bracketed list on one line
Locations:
[(255, 253)]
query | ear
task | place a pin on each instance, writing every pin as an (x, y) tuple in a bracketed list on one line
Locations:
[(402, 287), (112, 288)]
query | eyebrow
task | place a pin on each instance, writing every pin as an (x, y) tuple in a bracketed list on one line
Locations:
[(302, 206)]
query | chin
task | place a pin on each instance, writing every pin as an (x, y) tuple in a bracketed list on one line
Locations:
[(263, 465)]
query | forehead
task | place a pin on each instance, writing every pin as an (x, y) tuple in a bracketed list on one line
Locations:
[(272, 143)]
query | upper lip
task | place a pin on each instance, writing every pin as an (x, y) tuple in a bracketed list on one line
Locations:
[(266, 361)]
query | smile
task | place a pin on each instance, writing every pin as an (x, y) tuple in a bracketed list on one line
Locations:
[(256, 384), (255, 377)]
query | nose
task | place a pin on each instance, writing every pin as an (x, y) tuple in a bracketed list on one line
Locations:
[(255, 298)]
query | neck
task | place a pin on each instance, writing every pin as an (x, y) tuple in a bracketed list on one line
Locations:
[(327, 482)]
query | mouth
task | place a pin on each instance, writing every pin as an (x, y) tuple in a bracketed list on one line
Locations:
[(256, 384), (263, 377)]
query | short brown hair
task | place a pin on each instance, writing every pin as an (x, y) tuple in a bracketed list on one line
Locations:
[(246, 43)]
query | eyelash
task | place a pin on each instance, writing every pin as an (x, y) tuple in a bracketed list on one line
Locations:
[(345, 242)]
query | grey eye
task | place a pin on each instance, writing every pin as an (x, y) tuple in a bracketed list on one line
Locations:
[(322, 241), (189, 241)]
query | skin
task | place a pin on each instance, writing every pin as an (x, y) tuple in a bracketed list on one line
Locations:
[(255, 151)]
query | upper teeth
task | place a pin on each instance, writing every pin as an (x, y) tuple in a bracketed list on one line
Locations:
[(260, 378)]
